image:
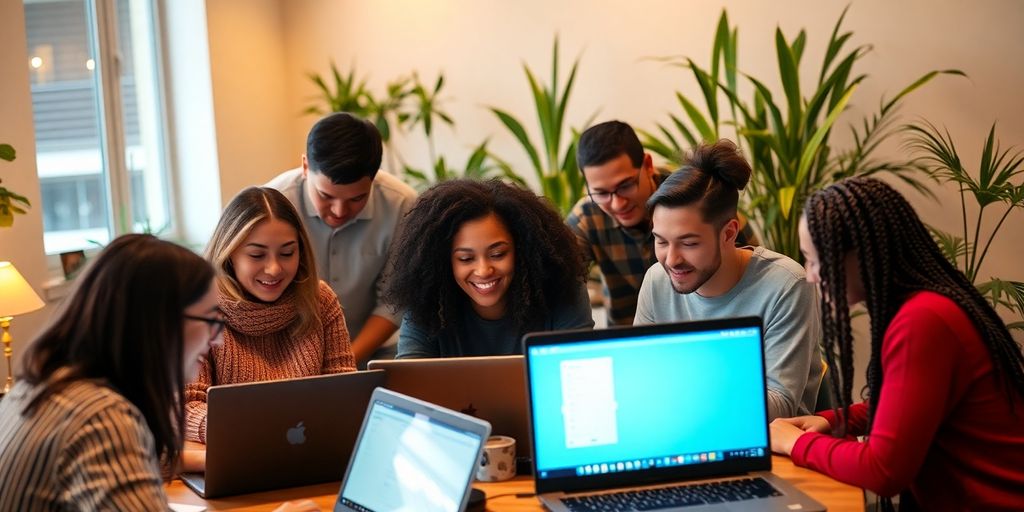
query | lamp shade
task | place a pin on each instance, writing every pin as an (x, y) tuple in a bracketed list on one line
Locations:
[(16, 296)]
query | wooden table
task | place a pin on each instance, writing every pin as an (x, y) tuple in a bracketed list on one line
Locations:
[(834, 495)]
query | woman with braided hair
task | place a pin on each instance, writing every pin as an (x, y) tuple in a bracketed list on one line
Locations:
[(944, 410), (480, 263)]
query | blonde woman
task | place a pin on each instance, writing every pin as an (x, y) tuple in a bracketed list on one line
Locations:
[(282, 321)]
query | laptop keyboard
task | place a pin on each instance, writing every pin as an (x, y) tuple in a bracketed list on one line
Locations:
[(676, 496)]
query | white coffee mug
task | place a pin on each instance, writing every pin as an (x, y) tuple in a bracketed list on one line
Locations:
[(499, 460)]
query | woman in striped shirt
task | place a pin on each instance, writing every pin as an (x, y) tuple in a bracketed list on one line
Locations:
[(98, 406)]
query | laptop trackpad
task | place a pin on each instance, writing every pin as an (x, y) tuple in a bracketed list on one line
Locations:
[(196, 482)]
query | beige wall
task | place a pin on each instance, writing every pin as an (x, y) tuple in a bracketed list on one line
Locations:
[(480, 46), (261, 50), (252, 108), (21, 244)]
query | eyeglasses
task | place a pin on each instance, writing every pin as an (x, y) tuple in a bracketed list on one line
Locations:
[(216, 324), (624, 190)]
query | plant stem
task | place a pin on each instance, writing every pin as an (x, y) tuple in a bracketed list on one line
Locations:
[(977, 235), (993, 235), (430, 147), (967, 242)]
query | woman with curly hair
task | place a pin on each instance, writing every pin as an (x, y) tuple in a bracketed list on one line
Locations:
[(944, 411), (479, 264)]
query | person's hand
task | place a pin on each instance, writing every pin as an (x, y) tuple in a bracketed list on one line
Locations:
[(298, 506), (193, 460), (810, 423), (784, 435)]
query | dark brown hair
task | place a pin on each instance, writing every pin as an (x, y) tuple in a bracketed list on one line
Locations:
[(124, 324), (711, 177)]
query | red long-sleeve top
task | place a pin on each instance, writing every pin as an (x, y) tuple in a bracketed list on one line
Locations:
[(943, 427)]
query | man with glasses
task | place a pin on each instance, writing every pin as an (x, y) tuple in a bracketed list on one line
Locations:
[(611, 223)]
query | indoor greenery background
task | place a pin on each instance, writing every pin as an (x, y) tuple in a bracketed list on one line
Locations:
[(481, 46)]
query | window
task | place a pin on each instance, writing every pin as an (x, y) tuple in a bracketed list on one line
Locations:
[(98, 108)]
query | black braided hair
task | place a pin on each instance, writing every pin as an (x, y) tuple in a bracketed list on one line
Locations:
[(897, 257)]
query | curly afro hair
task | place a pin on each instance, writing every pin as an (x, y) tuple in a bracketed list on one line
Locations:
[(549, 265)]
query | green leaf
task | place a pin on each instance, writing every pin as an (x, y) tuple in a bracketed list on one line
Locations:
[(927, 77), (721, 44), (418, 176), (686, 133), (786, 195), (519, 132), (953, 247), (1005, 293), (563, 104), (7, 152), (477, 158), (835, 44), (542, 104), (798, 46), (834, 87), (709, 88), (811, 149), (670, 150), (698, 119), (790, 78)]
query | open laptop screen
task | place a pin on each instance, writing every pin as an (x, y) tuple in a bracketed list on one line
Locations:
[(647, 399), (406, 460)]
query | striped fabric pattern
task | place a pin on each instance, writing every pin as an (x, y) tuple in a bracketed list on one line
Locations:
[(85, 448)]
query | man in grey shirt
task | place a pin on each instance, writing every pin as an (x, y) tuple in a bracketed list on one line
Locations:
[(352, 213), (700, 274)]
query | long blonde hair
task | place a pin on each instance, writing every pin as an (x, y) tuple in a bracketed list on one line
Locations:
[(250, 207)]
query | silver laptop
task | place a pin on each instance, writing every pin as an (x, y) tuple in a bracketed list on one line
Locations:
[(662, 417), (283, 433), (491, 388), (412, 455)]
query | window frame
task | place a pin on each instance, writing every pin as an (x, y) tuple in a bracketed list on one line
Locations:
[(103, 38)]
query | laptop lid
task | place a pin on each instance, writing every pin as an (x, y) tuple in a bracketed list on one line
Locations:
[(412, 455), (491, 388), (283, 433), (643, 405)]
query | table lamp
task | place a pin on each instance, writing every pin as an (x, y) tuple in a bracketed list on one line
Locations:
[(16, 298)]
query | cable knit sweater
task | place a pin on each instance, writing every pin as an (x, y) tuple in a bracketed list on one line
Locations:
[(257, 347)]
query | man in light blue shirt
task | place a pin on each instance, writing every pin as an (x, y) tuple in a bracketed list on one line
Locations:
[(352, 213), (700, 274)]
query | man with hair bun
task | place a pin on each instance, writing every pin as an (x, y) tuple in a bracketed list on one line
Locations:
[(701, 274), (611, 223)]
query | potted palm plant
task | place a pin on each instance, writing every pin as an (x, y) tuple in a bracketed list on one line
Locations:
[(559, 179), (996, 185), (787, 139)]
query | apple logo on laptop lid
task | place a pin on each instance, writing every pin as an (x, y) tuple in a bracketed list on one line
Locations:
[(296, 434)]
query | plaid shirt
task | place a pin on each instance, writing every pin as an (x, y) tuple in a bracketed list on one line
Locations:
[(623, 254)]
